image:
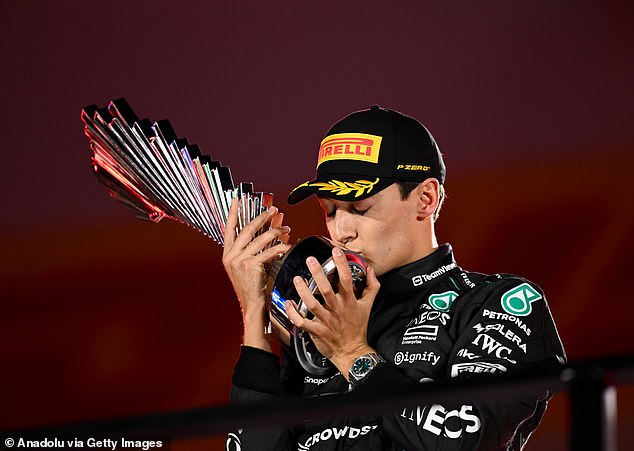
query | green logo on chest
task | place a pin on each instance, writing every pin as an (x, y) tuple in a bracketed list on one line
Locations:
[(442, 301), (517, 301)]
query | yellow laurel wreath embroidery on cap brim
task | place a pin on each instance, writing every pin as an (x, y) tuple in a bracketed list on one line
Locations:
[(343, 188), (306, 183)]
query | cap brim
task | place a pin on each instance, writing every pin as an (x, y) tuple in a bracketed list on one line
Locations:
[(345, 187)]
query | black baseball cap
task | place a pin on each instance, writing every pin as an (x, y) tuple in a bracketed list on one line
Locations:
[(367, 151)]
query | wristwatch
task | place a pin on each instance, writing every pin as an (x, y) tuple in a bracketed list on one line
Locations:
[(361, 367)]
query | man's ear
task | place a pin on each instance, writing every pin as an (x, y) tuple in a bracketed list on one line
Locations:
[(426, 198)]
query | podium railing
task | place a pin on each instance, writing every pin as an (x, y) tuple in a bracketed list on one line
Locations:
[(589, 384)]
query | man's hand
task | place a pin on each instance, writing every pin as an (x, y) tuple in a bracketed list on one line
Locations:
[(245, 259), (339, 326)]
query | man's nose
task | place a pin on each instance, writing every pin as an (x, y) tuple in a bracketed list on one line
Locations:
[(342, 227)]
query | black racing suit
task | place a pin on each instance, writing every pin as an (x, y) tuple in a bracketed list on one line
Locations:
[(430, 321)]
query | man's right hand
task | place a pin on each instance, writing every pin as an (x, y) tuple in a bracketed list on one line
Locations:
[(245, 259)]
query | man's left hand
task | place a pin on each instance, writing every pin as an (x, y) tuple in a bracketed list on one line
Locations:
[(339, 326)]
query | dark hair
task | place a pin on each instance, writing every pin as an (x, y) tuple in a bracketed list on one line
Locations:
[(406, 189)]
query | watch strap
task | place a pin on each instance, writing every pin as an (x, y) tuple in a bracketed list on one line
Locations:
[(362, 366)]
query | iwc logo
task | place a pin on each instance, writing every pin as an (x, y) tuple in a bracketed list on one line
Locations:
[(442, 301), (517, 301)]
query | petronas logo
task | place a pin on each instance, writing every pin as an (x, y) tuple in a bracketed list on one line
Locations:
[(517, 301), (442, 301)]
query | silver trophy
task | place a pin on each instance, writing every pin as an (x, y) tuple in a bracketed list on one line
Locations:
[(147, 167)]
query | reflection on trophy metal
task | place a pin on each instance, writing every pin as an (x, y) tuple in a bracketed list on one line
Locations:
[(148, 168)]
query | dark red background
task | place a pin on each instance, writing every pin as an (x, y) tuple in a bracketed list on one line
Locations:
[(104, 315)]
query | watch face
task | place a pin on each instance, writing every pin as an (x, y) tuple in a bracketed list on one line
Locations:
[(361, 366)]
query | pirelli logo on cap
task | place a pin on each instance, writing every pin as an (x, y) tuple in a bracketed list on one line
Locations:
[(350, 146)]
